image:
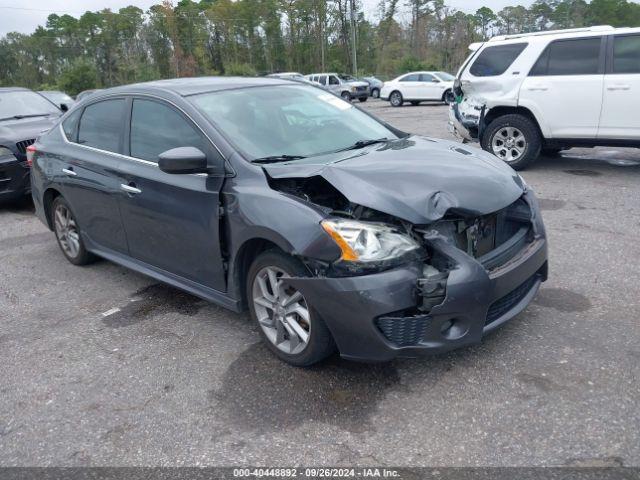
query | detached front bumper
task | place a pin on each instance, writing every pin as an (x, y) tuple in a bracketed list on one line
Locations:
[(464, 128), (375, 317)]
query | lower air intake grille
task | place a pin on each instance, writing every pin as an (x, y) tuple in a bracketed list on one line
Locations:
[(403, 331), (510, 300)]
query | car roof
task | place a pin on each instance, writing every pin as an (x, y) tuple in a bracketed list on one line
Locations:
[(549, 35), (196, 85), (14, 89)]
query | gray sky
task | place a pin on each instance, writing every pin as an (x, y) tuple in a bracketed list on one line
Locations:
[(25, 15)]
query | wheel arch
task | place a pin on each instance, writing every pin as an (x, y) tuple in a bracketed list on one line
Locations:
[(497, 112), (48, 197), (244, 256)]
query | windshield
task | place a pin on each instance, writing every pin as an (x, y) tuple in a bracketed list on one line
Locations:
[(293, 120), (24, 103), (444, 76), (346, 78)]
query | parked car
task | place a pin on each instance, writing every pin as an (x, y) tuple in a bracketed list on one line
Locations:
[(61, 99), (86, 93), (23, 116), (544, 92), (375, 85), (343, 85), (298, 77), (415, 87), (287, 75), (357, 237)]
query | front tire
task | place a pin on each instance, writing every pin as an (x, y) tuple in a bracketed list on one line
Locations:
[(362, 99), (346, 96), (68, 234), (448, 97), (513, 138), (288, 324), (375, 93), (396, 99)]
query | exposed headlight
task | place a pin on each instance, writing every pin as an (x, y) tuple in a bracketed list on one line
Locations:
[(5, 152), (353, 89), (368, 242)]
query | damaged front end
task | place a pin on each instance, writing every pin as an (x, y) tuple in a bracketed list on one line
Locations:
[(456, 275)]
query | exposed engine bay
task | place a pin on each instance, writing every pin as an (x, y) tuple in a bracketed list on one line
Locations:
[(491, 239)]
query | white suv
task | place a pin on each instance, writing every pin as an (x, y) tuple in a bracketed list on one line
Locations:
[(548, 91), (415, 87)]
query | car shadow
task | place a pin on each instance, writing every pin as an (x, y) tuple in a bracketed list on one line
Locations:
[(23, 206), (589, 162)]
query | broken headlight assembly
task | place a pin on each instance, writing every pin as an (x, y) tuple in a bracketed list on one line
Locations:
[(371, 244)]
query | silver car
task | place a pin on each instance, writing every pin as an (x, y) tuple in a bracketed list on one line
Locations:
[(343, 85)]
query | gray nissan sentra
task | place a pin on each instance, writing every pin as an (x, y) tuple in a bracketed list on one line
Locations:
[(335, 230)]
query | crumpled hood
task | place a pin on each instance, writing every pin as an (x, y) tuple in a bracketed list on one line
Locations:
[(13, 131), (415, 178)]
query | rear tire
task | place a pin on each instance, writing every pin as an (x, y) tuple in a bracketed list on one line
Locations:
[(68, 233), (280, 337), (513, 138), (395, 99)]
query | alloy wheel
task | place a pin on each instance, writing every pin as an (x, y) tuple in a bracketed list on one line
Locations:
[(396, 99), (509, 144), (66, 230), (283, 313)]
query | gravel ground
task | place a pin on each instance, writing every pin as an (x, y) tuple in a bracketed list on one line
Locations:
[(172, 380)]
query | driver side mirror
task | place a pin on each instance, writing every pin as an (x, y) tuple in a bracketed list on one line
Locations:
[(183, 160), (64, 107), (435, 80)]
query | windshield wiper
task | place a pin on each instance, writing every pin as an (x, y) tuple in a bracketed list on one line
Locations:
[(277, 158), (20, 117), (364, 143)]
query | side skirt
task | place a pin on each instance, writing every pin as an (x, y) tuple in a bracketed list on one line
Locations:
[(182, 283)]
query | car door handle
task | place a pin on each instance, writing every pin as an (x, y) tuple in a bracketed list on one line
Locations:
[(619, 87), (69, 171), (131, 188), (540, 88)]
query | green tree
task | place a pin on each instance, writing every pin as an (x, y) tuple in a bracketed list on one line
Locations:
[(80, 75)]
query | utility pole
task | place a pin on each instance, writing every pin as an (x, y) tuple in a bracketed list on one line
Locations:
[(354, 53), (323, 19)]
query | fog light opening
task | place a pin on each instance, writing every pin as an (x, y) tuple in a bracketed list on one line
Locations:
[(453, 329)]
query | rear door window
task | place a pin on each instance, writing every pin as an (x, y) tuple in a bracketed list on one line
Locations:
[(70, 126), (323, 79), (156, 128), (411, 78), (101, 125), (494, 61), (569, 57), (333, 80), (626, 54)]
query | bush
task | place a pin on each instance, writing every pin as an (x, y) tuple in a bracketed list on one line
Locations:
[(80, 75), (240, 70), (411, 64)]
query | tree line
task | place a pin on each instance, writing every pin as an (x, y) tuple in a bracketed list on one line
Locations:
[(253, 37)]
